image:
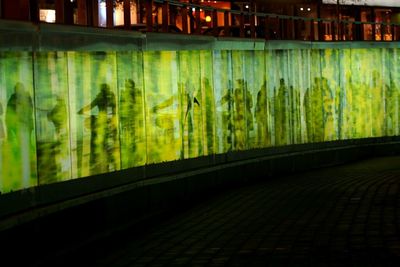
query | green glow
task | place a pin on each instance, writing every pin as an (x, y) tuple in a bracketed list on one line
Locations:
[(65, 115), (18, 157)]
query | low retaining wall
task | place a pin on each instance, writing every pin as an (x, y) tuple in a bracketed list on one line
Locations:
[(67, 215)]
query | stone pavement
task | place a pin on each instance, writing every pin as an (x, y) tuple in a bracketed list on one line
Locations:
[(340, 216)]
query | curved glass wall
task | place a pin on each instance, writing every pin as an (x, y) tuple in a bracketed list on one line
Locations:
[(65, 115)]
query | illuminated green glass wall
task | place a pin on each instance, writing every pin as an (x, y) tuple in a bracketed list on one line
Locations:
[(65, 115)]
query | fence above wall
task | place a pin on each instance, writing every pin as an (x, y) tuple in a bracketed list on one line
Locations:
[(26, 36), (181, 17)]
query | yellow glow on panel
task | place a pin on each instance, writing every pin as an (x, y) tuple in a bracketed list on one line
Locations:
[(96, 112)]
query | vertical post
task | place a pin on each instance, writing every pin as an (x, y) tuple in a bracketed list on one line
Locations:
[(358, 26), (33, 10), (373, 24), (60, 8), (139, 11), (241, 25), (266, 28), (320, 25), (172, 13), (165, 20), (226, 23), (64, 13), (149, 15), (343, 30), (184, 15), (69, 13), (82, 18), (94, 8), (281, 30), (252, 25), (109, 13), (290, 29), (127, 14), (339, 33), (198, 21), (312, 36), (296, 23), (215, 22), (392, 30)]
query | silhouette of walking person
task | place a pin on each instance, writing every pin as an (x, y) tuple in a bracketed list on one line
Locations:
[(103, 130), (19, 117), (131, 115), (19, 123), (58, 116)]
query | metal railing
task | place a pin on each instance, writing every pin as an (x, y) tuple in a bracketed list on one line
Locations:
[(187, 18)]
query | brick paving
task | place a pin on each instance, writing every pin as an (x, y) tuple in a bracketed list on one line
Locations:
[(340, 216)]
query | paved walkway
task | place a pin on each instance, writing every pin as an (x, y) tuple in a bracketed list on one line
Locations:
[(341, 216)]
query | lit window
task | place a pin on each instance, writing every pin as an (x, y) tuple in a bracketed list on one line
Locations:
[(47, 15)]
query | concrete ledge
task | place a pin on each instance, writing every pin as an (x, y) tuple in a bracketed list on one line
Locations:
[(174, 42), (79, 38), (26, 36)]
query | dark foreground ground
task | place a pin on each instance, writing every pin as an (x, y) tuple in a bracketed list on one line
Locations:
[(340, 216)]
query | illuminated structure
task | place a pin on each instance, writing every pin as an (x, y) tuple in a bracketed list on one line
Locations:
[(108, 122), (74, 114)]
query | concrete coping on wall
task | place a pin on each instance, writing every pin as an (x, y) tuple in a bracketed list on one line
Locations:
[(25, 36)]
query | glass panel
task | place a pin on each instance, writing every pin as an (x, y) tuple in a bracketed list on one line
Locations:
[(189, 83), (208, 100), (260, 136), (298, 71), (17, 135), (52, 125), (341, 104), (131, 111), (279, 77), (241, 100), (162, 106), (223, 90), (331, 93), (390, 74), (93, 106)]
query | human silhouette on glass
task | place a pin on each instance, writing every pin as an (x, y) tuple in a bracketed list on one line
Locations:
[(261, 114), (19, 123), (58, 116), (131, 115), (227, 100), (103, 130), (19, 116)]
